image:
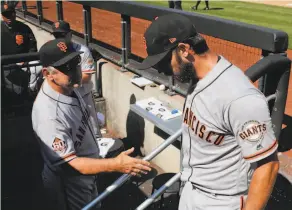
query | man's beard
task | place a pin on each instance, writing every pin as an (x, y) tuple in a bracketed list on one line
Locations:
[(187, 73), (73, 81), (75, 78)]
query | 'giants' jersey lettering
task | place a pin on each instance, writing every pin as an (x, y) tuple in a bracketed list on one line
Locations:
[(82, 129), (200, 129)]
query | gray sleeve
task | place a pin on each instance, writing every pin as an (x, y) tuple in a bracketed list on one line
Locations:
[(87, 62), (57, 142), (250, 122)]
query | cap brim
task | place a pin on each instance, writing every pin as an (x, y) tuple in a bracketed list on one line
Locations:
[(66, 59), (59, 30), (152, 60)]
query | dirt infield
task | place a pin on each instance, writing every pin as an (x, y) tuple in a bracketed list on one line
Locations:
[(106, 28)]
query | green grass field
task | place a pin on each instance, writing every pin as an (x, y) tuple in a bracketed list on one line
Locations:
[(258, 14)]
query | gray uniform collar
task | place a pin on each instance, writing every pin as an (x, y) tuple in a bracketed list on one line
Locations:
[(48, 91), (218, 69)]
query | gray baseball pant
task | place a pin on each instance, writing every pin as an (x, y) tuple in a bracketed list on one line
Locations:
[(194, 199)]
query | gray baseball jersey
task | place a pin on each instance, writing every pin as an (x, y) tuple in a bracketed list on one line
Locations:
[(63, 127), (87, 66), (226, 128), (35, 74)]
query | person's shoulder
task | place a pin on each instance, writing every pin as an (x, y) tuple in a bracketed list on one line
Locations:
[(81, 47), (84, 49), (234, 84), (22, 26), (45, 106), (235, 78)]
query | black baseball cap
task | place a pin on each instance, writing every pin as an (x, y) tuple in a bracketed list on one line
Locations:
[(7, 7), (61, 26), (57, 52), (163, 35)]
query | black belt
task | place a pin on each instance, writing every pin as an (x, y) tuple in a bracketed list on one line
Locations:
[(195, 187)]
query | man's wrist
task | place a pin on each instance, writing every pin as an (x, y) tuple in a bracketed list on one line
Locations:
[(113, 164)]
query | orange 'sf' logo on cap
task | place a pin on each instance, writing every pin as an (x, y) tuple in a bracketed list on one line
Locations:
[(5, 6), (144, 43), (57, 24), (62, 46), (19, 39), (172, 40)]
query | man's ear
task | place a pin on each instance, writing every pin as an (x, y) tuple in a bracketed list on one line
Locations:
[(184, 49), (46, 74)]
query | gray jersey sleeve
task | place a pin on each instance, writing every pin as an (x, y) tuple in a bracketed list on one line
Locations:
[(57, 142), (249, 120), (87, 62)]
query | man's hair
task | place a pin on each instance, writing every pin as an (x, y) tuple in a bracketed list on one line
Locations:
[(198, 44)]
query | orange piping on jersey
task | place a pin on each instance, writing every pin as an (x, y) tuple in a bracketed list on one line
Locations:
[(261, 153), (67, 157)]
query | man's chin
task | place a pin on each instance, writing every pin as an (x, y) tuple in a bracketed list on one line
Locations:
[(182, 80)]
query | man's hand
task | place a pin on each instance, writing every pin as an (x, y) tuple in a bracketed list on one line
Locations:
[(129, 165), (85, 78)]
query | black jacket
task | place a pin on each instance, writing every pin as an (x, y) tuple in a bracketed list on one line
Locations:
[(17, 39)]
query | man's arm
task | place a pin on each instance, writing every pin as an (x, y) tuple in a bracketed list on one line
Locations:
[(60, 151), (250, 121), (86, 77), (32, 41), (122, 163), (262, 183), (87, 65)]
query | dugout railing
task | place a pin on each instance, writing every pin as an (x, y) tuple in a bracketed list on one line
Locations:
[(272, 44), (18, 73), (276, 64), (268, 41)]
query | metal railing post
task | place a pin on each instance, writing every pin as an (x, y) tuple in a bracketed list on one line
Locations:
[(126, 39), (59, 6), (120, 181), (157, 193), (24, 8), (170, 90), (262, 84), (40, 12), (267, 81), (87, 24)]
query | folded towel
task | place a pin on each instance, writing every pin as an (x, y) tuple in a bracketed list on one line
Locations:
[(105, 145)]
